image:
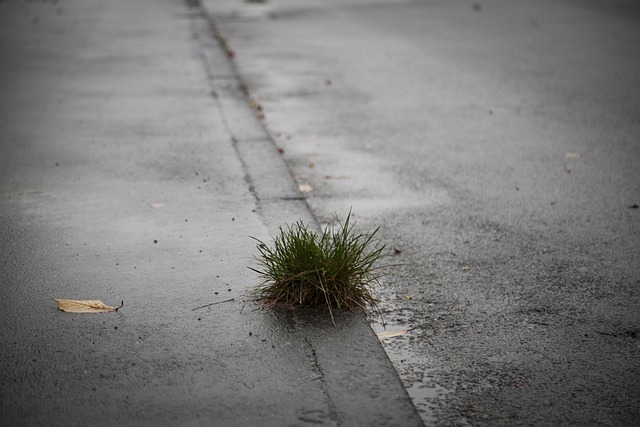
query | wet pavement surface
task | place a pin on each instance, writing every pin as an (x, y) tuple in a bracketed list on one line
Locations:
[(496, 145), (132, 168)]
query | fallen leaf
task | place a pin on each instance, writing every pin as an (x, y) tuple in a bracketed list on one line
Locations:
[(572, 155), (305, 188), (390, 334), (86, 306), (255, 105)]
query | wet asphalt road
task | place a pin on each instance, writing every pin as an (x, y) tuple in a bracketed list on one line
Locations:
[(497, 144)]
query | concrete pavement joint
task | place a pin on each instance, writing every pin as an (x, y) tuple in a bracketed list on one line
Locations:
[(291, 196), (212, 76), (315, 364), (247, 175), (269, 178)]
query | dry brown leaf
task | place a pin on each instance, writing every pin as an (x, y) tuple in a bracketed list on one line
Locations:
[(305, 188), (86, 306)]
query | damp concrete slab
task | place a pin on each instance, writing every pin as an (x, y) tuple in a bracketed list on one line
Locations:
[(132, 168)]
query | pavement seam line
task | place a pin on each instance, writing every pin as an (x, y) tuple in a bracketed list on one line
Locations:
[(206, 32), (315, 364), (225, 121)]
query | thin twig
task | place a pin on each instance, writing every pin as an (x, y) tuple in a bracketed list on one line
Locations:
[(213, 303)]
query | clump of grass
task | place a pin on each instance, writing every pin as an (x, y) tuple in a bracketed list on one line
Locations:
[(336, 268)]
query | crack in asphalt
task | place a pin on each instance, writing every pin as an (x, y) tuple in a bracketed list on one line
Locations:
[(332, 411), (212, 76)]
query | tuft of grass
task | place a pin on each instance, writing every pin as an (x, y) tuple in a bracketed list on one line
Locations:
[(336, 268)]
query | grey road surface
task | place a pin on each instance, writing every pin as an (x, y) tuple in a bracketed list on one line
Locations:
[(497, 144)]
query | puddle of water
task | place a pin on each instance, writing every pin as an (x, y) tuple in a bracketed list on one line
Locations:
[(420, 381)]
